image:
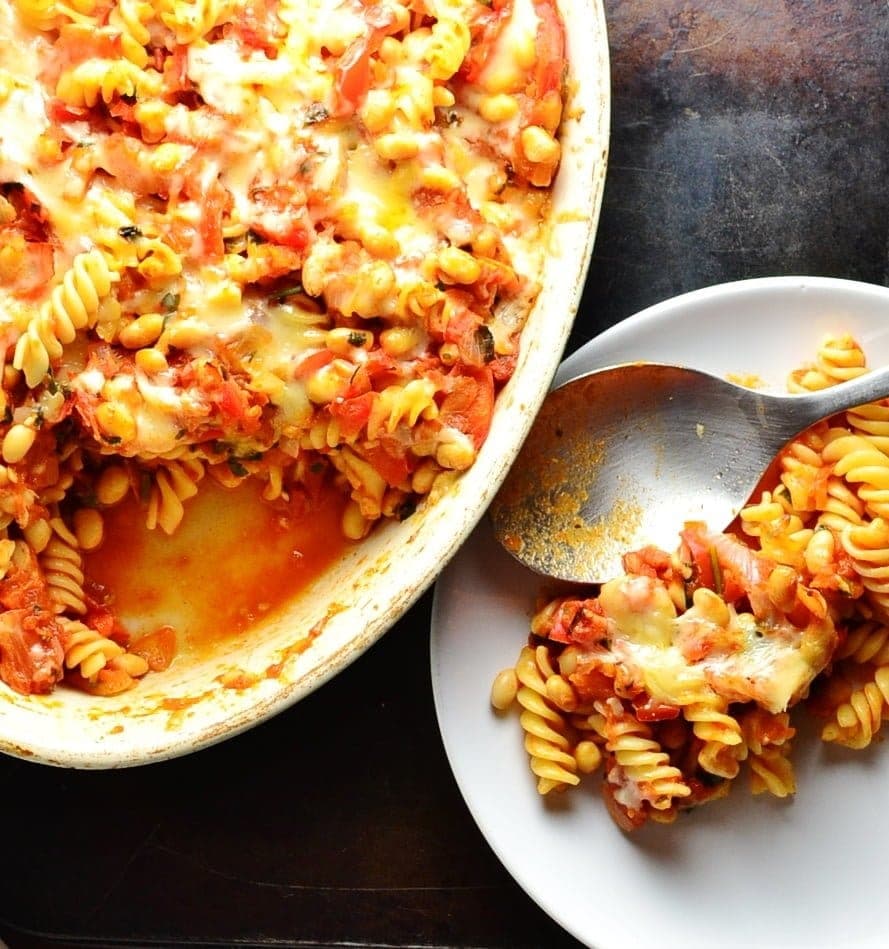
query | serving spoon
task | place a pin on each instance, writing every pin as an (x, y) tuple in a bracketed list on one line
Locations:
[(623, 456)]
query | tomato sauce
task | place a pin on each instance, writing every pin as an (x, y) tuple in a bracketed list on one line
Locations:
[(234, 559)]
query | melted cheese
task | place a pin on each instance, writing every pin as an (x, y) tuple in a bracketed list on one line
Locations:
[(767, 662), (257, 139), (505, 69)]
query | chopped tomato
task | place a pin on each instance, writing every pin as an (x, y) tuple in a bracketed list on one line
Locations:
[(502, 368), (216, 201), (550, 64), (123, 157), (549, 44), (235, 403), (257, 26), (30, 218), (590, 681), (650, 710), (352, 414), (311, 364), (59, 112), (30, 650), (157, 648), (283, 217), (101, 619), (698, 551), (30, 656), (230, 401), (76, 44), (650, 561), (353, 76), (469, 404), (175, 70), (725, 564), (486, 32), (353, 68), (381, 369), (125, 112), (25, 268), (450, 214), (290, 229), (577, 621), (390, 462)]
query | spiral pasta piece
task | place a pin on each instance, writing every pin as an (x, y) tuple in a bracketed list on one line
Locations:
[(767, 743), (448, 45), (640, 760), (867, 642), (402, 404), (172, 484), (868, 546), (75, 301), (859, 461), (87, 650), (38, 14), (771, 771), (104, 665), (858, 720), (803, 471), (782, 536), (767, 510), (368, 485), (839, 358), (70, 464), (842, 506), (545, 727), (37, 347), (871, 420), (191, 19), (129, 19), (723, 744), (101, 80), (62, 567), (72, 306)]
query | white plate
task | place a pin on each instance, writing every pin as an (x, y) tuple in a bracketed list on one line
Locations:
[(742, 872)]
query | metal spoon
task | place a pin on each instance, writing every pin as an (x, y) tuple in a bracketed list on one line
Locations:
[(624, 456)]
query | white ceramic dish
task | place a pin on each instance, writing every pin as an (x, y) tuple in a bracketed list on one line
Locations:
[(737, 873), (187, 707)]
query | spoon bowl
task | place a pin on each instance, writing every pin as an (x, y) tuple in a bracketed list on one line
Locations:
[(623, 456)]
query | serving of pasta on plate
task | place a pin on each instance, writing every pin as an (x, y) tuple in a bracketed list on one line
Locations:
[(678, 675), (290, 243)]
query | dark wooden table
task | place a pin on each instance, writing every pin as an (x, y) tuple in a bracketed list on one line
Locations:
[(748, 139)]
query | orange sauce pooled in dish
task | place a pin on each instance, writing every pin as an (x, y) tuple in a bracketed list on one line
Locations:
[(233, 559)]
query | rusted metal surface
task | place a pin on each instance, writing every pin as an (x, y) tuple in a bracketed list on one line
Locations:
[(748, 139)]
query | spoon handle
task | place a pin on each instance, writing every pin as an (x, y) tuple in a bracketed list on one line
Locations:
[(815, 406)]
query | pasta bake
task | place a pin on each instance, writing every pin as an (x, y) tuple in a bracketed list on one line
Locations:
[(685, 669), (290, 242)]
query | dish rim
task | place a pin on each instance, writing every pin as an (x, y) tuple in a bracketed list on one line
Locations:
[(350, 629)]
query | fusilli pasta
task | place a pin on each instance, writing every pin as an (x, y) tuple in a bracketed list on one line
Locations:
[(693, 659), (288, 244)]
